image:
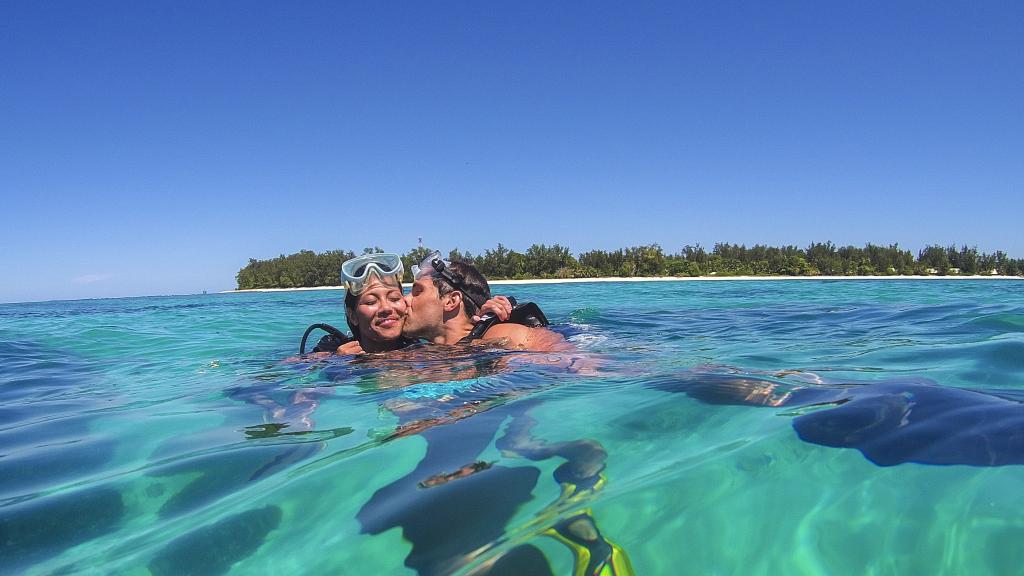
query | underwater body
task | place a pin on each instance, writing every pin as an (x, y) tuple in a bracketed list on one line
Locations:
[(755, 427)]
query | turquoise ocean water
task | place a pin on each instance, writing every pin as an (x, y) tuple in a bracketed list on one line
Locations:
[(166, 435)]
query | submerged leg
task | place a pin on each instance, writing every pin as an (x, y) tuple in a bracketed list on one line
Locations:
[(585, 459), (734, 390)]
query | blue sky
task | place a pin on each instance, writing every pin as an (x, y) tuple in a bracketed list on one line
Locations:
[(153, 147)]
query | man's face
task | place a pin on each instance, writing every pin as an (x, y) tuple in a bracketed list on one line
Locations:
[(425, 315)]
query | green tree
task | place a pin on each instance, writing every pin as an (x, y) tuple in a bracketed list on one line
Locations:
[(935, 257)]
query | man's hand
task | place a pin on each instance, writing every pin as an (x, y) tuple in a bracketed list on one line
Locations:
[(352, 347), (498, 305)]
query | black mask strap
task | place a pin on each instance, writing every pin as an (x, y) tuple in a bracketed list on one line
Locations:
[(442, 270)]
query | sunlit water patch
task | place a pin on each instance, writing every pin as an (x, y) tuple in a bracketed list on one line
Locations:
[(703, 427)]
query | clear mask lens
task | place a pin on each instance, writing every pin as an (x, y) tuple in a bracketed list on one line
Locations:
[(425, 267)]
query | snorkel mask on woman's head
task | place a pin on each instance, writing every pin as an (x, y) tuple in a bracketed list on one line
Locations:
[(356, 272)]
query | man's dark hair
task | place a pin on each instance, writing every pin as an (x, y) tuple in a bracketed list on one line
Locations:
[(474, 286)]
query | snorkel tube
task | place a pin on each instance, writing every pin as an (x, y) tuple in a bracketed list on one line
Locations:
[(328, 343)]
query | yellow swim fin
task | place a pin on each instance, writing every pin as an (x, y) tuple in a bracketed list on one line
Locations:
[(594, 554)]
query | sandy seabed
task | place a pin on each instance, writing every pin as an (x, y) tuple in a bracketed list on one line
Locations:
[(671, 279)]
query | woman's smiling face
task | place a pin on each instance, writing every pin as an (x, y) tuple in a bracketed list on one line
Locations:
[(379, 313)]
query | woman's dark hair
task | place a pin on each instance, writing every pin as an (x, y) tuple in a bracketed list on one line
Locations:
[(350, 304)]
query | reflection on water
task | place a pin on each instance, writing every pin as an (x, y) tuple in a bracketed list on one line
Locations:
[(755, 427)]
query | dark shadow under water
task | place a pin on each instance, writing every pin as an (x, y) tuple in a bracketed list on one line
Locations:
[(44, 442), (890, 423)]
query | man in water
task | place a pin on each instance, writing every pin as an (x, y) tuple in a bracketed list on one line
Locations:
[(446, 296)]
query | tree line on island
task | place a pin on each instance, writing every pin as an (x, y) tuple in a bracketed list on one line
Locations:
[(310, 269)]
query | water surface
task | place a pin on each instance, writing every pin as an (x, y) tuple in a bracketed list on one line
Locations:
[(166, 436)]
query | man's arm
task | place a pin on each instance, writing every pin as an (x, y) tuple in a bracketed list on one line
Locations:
[(526, 338)]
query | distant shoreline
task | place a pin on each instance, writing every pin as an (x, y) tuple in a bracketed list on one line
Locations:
[(665, 279)]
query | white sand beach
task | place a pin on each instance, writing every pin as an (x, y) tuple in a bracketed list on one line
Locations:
[(670, 279)]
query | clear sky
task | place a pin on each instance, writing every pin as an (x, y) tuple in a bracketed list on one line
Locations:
[(154, 147)]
